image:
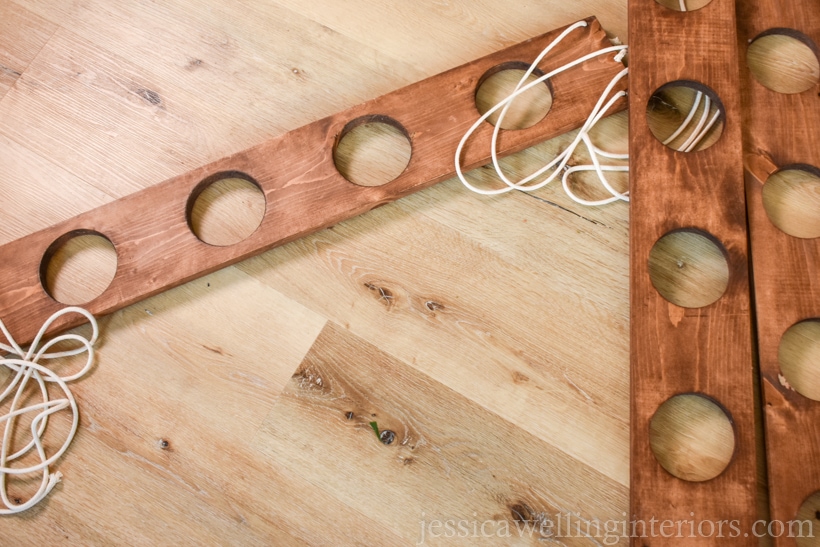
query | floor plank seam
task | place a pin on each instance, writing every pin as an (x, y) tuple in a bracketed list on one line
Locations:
[(33, 59)]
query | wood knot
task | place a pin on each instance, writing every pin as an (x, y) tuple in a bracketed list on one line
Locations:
[(311, 379), (433, 306), (519, 378), (149, 96), (521, 512), (537, 520), (385, 295)]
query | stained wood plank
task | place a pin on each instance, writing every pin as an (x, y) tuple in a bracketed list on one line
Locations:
[(676, 350), (785, 267), (450, 458), (146, 226)]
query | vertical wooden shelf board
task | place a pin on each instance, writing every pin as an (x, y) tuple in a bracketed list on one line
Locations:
[(304, 192), (781, 130), (674, 350)]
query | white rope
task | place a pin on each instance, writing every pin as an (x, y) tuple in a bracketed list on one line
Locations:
[(559, 163), (23, 371), (700, 130), (686, 121)]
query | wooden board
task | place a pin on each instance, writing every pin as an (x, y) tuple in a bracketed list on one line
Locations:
[(150, 230), (676, 350), (781, 130)]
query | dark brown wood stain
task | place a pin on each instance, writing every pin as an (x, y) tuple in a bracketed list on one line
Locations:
[(781, 130), (673, 350)]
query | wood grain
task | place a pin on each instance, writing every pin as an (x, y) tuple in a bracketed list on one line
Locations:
[(532, 337), (467, 26), (304, 191), (785, 267), (678, 350), (22, 35), (520, 349), (444, 457)]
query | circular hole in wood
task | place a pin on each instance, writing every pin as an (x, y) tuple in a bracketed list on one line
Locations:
[(372, 150), (684, 5), (685, 116), (500, 82), (784, 60), (791, 197), (692, 437), (226, 208), (78, 267), (806, 528), (799, 357), (688, 268)]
